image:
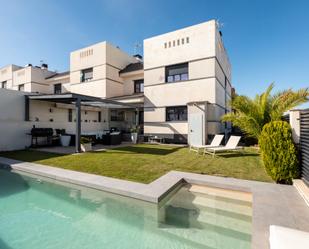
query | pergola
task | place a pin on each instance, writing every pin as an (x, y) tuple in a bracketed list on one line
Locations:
[(78, 100)]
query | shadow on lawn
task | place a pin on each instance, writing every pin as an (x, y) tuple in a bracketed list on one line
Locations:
[(231, 155), (146, 150), (29, 155)]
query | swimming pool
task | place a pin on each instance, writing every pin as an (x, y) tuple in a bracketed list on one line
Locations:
[(38, 212)]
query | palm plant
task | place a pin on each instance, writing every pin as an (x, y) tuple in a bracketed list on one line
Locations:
[(251, 114)]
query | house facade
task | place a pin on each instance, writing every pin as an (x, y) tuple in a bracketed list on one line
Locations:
[(179, 90)]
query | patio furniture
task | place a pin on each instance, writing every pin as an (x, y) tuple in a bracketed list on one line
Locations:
[(111, 138), (287, 238), (214, 143), (231, 145), (155, 139), (41, 133)]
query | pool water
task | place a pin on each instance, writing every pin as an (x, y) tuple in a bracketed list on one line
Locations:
[(44, 213)]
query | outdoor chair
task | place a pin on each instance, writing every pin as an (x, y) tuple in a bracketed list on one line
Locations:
[(231, 145), (214, 143)]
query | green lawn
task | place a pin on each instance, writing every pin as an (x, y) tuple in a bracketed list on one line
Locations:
[(145, 163)]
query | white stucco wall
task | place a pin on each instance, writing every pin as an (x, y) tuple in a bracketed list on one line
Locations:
[(13, 128)]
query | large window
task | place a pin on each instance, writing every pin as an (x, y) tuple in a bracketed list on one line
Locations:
[(21, 87), (176, 73), (57, 88), (176, 113), (86, 75), (138, 86), (3, 84), (117, 115)]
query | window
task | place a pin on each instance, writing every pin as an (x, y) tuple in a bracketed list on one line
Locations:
[(188, 40), (86, 75), (176, 113), (177, 73), (21, 87), (138, 86), (165, 45), (4, 84), (99, 117), (70, 117), (117, 115), (57, 88)]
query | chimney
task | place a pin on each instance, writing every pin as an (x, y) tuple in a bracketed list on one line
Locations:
[(138, 57), (44, 66)]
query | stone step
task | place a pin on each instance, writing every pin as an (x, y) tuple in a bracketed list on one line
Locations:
[(224, 193)]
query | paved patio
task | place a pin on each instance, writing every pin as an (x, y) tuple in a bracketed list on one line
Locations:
[(71, 149)]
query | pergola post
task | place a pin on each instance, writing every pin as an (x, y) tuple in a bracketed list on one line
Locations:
[(137, 117), (78, 125)]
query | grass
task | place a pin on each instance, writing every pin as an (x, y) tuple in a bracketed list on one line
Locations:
[(145, 163)]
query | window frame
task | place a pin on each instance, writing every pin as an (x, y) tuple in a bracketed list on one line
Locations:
[(4, 84), (138, 83), (21, 87), (70, 115), (170, 78), (83, 72), (55, 90), (119, 117), (177, 113)]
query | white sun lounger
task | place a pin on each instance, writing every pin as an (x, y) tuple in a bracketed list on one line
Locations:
[(287, 238), (231, 145), (214, 143)]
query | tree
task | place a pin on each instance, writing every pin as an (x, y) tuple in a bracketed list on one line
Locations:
[(251, 114)]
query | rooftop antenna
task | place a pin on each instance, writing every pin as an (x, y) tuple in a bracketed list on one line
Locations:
[(137, 47)]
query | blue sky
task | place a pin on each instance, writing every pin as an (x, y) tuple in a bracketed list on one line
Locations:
[(267, 41)]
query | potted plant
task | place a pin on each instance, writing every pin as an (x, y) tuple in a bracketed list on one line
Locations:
[(86, 144), (134, 134), (65, 139)]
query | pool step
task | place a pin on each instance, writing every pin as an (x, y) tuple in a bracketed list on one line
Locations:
[(212, 237), (187, 199), (224, 193)]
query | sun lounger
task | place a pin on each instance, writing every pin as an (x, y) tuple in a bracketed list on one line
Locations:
[(214, 143), (231, 145)]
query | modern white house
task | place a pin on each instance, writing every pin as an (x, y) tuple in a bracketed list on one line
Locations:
[(177, 93)]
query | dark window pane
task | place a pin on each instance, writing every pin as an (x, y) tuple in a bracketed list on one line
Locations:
[(184, 76), (70, 115), (86, 75), (57, 88), (170, 78), (177, 72), (177, 77), (139, 86), (176, 113), (21, 87), (117, 115)]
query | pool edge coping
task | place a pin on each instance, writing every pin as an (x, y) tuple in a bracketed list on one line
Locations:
[(266, 210)]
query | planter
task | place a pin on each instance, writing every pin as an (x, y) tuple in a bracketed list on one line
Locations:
[(65, 140), (86, 147), (134, 137)]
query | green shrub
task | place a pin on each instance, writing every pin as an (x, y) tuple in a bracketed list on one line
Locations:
[(279, 153)]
